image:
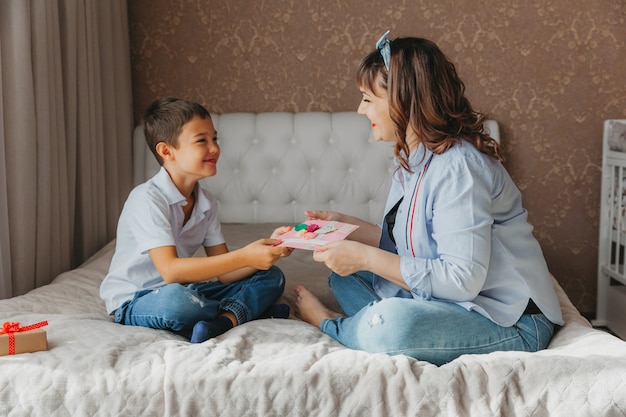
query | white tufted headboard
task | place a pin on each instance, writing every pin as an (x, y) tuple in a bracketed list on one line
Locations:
[(274, 166)]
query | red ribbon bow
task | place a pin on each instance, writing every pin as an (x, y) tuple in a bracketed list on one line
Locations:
[(12, 328)]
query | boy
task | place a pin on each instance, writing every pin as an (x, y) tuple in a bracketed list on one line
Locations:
[(154, 280)]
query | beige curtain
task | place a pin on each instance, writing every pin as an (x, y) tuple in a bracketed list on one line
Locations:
[(65, 134)]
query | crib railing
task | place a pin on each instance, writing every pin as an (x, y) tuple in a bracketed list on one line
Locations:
[(612, 228)]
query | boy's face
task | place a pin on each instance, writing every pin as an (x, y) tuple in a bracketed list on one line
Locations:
[(197, 152)]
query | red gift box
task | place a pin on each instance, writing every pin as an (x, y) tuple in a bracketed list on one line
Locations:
[(15, 339)]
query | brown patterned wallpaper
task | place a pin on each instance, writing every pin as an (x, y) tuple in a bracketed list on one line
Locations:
[(549, 71)]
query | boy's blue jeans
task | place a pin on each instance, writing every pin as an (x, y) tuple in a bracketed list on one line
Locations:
[(433, 331), (178, 307)]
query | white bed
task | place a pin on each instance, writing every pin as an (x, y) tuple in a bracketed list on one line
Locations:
[(287, 367)]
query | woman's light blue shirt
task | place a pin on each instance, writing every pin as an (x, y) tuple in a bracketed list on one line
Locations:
[(463, 237)]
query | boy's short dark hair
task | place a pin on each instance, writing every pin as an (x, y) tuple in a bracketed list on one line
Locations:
[(163, 121)]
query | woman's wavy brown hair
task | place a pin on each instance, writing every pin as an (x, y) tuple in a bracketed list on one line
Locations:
[(426, 94)]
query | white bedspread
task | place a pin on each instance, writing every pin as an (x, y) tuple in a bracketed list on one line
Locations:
[(284, 367)]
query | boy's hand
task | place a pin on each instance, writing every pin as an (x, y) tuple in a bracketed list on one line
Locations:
[(263, 253), (281, 231)]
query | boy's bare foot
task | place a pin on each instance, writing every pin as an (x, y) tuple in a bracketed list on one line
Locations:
[(310, 309)]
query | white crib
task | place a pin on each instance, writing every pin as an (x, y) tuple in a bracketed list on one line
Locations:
[(611, 308)]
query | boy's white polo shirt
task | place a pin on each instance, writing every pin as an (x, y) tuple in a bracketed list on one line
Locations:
[(153, 217)]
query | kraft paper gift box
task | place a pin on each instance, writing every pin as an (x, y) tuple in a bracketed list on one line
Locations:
[(15, 339)]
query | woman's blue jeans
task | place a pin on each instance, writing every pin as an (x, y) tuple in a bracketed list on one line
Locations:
[(178, 307), (433, 331)]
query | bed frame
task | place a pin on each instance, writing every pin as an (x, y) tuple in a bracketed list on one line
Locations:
[(273, 166), (611, 308)]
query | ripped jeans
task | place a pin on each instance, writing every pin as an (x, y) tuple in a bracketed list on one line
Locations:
[(178, 307), (433, 331)]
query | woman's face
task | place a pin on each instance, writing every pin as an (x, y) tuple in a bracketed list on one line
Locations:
[(375, 105)]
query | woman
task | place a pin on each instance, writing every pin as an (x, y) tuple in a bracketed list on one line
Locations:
[(454, 268)]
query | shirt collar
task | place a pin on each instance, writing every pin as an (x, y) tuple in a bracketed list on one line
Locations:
[(164, 183), (417, 159)]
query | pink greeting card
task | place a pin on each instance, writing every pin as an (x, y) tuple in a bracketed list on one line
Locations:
[(314, 233)]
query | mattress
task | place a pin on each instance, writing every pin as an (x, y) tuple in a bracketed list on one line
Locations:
[(284, 367)]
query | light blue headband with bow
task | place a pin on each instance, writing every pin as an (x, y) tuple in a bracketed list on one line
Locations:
[(385, 49)]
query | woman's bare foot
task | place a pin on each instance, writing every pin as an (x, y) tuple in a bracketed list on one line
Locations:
[(310, 309)]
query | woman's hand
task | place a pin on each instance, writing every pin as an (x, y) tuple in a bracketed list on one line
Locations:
[(347, 257), (367, 233), (343, 257), (324, 215), (279, 231)]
